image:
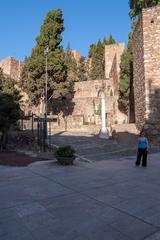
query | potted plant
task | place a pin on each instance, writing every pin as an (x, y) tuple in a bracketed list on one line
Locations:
[(65, 155)]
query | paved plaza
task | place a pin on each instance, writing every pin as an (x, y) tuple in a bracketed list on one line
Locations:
[(91, 148), (107, 199)]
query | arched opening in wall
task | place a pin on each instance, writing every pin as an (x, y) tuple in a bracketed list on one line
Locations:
[(111, 93), (108, 91)]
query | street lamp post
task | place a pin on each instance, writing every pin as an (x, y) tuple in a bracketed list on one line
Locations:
[(45, 109)]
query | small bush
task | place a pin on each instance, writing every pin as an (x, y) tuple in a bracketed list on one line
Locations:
[(66, 151)]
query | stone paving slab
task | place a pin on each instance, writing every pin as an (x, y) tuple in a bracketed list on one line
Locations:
[(155, 236), (110, 200)]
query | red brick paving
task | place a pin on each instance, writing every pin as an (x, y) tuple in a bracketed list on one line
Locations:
[(15, 159)]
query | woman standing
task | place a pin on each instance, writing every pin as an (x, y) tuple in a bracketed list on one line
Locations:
[(142, 150)]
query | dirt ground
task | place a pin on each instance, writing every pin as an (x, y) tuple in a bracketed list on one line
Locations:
[(11, 158)]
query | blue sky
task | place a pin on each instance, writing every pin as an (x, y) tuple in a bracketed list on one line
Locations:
[(85, 21)]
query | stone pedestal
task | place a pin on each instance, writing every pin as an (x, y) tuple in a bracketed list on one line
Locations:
[(104, 134)]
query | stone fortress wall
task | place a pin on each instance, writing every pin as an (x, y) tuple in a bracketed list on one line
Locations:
[(146, 53), (86, 97)]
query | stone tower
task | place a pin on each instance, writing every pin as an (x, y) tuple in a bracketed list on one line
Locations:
[(11, 67), (113, 55), (146, 54), (76, 55)]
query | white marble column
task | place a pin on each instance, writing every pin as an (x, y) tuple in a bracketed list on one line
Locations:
[(104, 131)]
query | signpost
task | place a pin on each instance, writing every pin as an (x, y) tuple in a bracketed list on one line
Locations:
[(42, 119)]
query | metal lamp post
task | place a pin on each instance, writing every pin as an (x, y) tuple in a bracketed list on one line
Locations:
[(45, 103)]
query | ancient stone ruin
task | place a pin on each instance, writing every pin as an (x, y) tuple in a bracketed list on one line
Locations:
[(85, 104), (86, 101)]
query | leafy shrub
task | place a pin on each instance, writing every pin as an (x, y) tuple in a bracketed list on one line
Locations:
[(66, 151)]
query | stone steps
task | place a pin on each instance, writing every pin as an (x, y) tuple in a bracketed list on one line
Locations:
[(128, 127), (126, 132)]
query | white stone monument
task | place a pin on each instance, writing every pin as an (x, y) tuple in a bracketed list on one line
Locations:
[(104, 131)]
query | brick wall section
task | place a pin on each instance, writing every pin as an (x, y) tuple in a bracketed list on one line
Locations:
[(146, 50)]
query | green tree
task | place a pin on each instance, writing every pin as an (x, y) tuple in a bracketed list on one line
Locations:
[(33, 75), (2, 79), (126, 77), (71, 65), (111, 40), (9, 106), (7, 85), (97, 61), (97, 55), (105, 41), (136, 6), (92, 50), (82, 70)]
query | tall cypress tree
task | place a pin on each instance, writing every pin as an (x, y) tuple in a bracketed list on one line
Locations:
[(111, 40), (92, 50), (136, 6), (82, 70), (97, 55), (105, 41), (71, 65), (126, 77), (97, 68), (33, 75)]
